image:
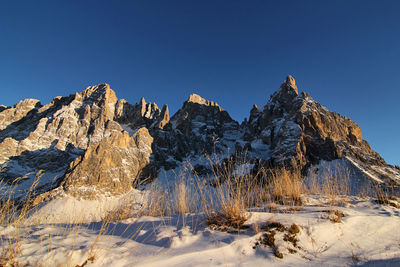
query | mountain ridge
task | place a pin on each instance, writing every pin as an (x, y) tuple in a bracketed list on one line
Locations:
[(91, 139)]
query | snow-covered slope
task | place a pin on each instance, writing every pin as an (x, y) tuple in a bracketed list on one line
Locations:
[(367, 235)]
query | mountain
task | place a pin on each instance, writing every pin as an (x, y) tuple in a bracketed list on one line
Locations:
[(299, 131), (91, 144)]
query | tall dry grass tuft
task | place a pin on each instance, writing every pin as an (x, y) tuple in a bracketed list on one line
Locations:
[(239, 185), (157, 202), (287, 186), (181, 201), (231, 194)]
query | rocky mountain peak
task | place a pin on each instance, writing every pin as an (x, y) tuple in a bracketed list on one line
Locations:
[(98, 93), (148, 110), (28, 103), (283, 99), (290, 83), (301, 132), (164, 117), (198, 108), (194, 98)]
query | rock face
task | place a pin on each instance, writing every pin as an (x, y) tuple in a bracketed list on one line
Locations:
[(141, 115), (90, 143), (111, 166), (195, 129), (34, 137)]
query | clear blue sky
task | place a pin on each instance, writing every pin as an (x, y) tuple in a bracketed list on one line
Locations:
[(346, 54)]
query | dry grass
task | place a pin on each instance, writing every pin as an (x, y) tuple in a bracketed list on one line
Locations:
[(226, 202), (336, 216), (384, 196), (230, 216), (233, 187), (237, 188), (181, 201), (269, 237), (287, 186), (156, 203)]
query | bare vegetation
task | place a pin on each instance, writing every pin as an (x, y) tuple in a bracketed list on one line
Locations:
[(383, 196), (287, 186), (269, 237), (336, 216)]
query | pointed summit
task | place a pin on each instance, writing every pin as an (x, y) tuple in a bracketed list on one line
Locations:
[(286, 94), (99, 92), (142, 106), (290, 84), (290, 81), (164, 117)]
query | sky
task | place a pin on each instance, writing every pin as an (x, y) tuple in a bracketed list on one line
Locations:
[(345, 54)]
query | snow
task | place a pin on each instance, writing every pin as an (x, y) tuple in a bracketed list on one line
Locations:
[(68, 209), (243, 169), (369, 174), (368, 236), (341, 171), (127, 128)]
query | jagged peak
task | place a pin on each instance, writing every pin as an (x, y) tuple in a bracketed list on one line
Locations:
[(164, 117), (165, 109), (286, 93), (145, 105), (195, 98), (28, 102), (290, 81), (142, 105), (148, 109), (289, 85), (99, 87), (102, 90)]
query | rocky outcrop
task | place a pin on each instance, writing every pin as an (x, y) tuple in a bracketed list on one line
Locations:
[(197, 128), (200, 116), (141, 114), (110, 167), (19, 111)]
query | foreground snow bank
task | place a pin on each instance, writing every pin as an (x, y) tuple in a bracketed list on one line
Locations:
[(68, 209), (367, 235)]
